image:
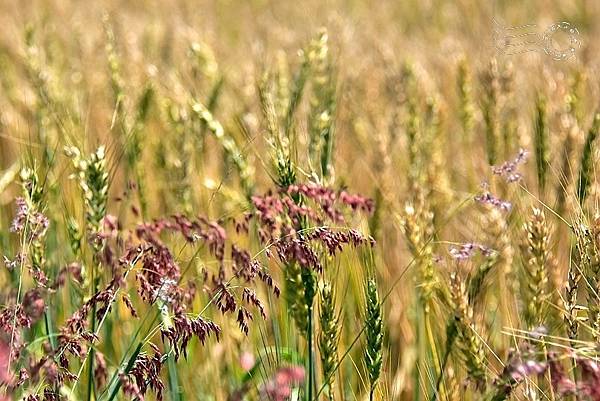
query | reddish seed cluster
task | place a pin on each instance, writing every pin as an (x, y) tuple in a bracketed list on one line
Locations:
[(300, 251), (49, 395), (5, 359), (589, 384), (524, 365), (183, 328), (100, 369), (334, 241), (130, 388), (249, 296), (467, 250), (280, 214), (146, 375), (508, 169), (247, 268), (160, 280), (75, 333), (277, 215), (32, 225), (509, 172), (71, 271), (326, 198), (486, 198), (17, 316), (35, 222)]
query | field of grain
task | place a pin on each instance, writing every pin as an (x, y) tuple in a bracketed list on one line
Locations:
[(322, 200)]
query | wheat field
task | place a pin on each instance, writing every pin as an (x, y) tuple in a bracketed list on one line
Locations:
[(272, 200)]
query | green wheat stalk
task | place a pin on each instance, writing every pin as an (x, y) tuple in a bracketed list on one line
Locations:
[(587, 161), (374, 336)]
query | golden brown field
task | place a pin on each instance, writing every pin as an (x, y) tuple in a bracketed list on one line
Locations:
[(318, 200)]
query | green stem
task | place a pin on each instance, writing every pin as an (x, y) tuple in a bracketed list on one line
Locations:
[(432, 346), (50, 334), (450, 336), (309, 336), (128, 368), (91, 389), (172, 367), (49, 330)]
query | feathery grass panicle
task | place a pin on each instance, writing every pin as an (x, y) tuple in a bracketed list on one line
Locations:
[(541, 141), (571, 305), (328, 337), (570, 128), (466, 113), (418, 227), (373, 335), (587, 161), (537, 260)]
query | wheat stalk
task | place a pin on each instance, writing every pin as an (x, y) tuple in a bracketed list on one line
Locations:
[(328, 337), (373, 335), (469, 340), (537, 258), (587, 161), (540, 129)]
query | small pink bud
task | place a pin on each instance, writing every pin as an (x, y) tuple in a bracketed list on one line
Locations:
[(247, 361)]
